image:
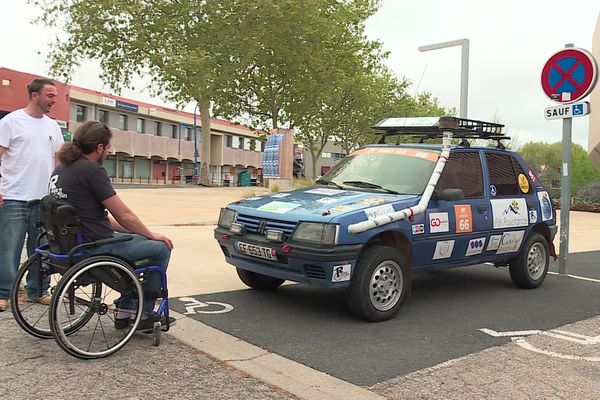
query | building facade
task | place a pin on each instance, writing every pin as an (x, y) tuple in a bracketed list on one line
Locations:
[(594, 134), (151, 144)]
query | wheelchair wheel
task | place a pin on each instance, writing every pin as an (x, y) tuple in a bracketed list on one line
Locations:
[(32, 316), (95, 283)]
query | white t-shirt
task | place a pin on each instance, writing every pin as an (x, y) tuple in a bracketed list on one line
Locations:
[(29, 159)]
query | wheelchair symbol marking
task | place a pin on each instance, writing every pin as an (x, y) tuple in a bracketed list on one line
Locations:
[(577, 109), (519, 338), (191, 304)]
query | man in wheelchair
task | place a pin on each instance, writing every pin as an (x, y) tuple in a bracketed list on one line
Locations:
[(81, 180)]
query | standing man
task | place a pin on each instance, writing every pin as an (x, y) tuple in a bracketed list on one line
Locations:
[(28, 141)]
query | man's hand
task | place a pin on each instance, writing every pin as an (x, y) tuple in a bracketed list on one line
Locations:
[(161, 238)]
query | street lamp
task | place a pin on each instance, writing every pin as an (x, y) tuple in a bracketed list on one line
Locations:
[(464, 69), (195, 147)]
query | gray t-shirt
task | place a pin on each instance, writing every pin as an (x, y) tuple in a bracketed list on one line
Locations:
[(85, 184)]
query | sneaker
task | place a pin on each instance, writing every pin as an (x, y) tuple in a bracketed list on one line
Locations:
[(45, 300), (122, 323), (3, 304), (21, 296)]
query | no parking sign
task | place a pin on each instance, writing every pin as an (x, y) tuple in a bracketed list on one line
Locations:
[(569, 75)]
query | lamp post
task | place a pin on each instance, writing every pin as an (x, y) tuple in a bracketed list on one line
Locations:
[(196, 170), (464, 69)]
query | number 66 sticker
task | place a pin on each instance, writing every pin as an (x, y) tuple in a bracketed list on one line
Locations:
[(464, 218)]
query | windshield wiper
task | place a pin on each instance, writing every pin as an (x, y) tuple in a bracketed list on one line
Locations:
[(368, 185), (324, 182)]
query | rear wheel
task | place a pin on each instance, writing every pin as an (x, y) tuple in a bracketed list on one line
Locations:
[(259, 281), (379, 284), (529, 268)]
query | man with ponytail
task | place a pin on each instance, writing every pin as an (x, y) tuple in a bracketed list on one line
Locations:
[(84, 183), (28, 141)]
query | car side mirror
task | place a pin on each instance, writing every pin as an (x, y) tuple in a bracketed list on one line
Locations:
[(450, 195)]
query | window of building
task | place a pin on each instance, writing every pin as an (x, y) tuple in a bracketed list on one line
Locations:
[(463, 171), (188, 133), (325, 155), (5, 82), (123, 122), (158, 128), (337, 156), (241, 143), (228, 141), (174, 131), (141, 125), (252, 144), (235, 142), (81, 113), (504, 171), (103, 116), (262, 147)]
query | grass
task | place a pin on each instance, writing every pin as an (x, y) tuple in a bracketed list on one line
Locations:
[(299, 183)]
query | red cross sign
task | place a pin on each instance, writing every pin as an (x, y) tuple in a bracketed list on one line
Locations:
[(569, 75)]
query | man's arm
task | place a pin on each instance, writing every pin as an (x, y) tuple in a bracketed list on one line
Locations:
[(128, 222), (2, 150)]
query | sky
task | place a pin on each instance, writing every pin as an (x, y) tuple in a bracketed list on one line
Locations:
[(510, 41)]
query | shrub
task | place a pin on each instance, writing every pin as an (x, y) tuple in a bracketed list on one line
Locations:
[(590, 193)]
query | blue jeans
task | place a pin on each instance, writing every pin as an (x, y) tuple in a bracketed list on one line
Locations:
[(134, 250), (17, 221)]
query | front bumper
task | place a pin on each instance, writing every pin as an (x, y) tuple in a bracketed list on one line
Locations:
[(300, 263)]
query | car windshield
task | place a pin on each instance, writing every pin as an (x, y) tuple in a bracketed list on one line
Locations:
[(392, 170)]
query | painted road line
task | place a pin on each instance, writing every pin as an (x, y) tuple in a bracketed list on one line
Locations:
[(291, 376), (521, 342), (583, 278), (554, 333)]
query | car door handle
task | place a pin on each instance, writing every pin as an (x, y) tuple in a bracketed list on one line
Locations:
[(482, 208)]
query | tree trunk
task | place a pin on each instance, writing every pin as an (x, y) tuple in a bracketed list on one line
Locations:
[(204, 106), (314, 160)]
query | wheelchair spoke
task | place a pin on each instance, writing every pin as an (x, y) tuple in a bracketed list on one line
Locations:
[(93, 334)]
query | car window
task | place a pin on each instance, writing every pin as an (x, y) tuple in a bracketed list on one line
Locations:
[(505, 172), (463, 171)]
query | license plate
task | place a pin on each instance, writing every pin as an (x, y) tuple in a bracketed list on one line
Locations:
[(255, 251)]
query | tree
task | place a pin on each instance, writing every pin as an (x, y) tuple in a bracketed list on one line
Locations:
[(189, 48)]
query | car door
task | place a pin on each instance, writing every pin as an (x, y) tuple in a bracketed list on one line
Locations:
[(456, 231)]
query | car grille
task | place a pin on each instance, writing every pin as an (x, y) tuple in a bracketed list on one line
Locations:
[(253, 223), (314, 271), (225, 251)]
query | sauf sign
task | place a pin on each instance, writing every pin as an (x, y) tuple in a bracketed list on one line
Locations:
[(567, 110)]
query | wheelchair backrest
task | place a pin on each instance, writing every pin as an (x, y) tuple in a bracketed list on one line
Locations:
[(61, 223)]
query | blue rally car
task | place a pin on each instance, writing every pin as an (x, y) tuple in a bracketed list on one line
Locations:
[(389, 210)]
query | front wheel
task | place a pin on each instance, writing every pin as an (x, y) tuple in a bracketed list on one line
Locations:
[(379, 284), (529, 268), (259, 281)]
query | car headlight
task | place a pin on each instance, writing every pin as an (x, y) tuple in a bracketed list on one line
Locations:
[(227, 217), (316, 232)]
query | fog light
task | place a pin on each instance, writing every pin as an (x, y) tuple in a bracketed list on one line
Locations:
[(238, 229), (273, 235)]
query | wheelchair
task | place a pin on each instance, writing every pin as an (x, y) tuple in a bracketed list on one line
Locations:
[(84, 316)]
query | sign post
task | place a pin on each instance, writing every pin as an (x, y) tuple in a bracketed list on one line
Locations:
[(568, 76)]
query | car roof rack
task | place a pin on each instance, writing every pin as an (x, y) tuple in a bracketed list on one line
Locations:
[(432, 128)]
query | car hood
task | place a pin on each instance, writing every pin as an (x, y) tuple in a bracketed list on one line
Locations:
[(317, 202)]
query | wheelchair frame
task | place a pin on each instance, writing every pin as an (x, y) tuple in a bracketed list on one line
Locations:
[(76, 272)]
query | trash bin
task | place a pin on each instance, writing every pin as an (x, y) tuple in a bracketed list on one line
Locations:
[(244, 178)]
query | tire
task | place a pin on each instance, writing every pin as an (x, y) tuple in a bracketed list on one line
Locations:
[(379, 284), (530, 267), (259, 281), (95, 282), (33, 317)]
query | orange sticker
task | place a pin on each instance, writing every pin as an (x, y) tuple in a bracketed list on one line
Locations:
[(417, 153), (464, 218)]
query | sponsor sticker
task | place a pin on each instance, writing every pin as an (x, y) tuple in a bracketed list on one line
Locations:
[(494, 242), (443, 249), (545, 205), (438, 222), (325, 191), (509, 213), (417, 229), (326, 200), (254, 198), (372, 201), (378, 211), (278, 207), (493, 191), (464, 218), (280, 195), (475, 246), (532, 216), (523, 183), (510, 242), (531, 176), (341, 273)]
